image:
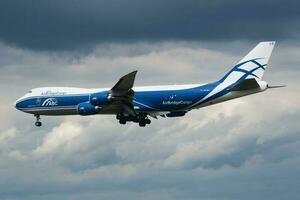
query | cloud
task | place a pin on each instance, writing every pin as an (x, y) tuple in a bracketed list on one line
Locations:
[(242, 149), (57, 138), (7, 135), (80, 25)]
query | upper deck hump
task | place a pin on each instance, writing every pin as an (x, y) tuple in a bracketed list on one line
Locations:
[(53, 91)]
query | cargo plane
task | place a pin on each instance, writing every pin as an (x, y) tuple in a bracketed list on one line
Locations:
[(139, 104)]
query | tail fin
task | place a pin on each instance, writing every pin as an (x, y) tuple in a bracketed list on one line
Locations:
[(252, 65)]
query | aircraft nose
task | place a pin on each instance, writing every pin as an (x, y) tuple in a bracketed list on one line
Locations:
[(22, 103), (17, 104)]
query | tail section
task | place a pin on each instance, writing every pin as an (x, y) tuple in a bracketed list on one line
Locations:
[(246, 74), (253, 65)]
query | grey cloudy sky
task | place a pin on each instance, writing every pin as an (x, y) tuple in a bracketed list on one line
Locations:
[(247, 148), (69, 24)]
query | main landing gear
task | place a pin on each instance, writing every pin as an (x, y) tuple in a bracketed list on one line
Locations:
[(37, 122), (142, 120)]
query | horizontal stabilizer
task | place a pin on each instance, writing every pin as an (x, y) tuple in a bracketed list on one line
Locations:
[(246, 84), (276, 86)]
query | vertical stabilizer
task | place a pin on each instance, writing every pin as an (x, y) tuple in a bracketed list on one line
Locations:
[(252, 65)]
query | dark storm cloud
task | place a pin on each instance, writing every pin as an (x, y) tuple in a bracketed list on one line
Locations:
[(70, 24)]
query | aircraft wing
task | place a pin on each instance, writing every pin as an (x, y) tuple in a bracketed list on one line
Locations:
[(121, 93), (124, 85)]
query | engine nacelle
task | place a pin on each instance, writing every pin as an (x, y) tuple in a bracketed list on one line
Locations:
[(99, 99), (86, 109), (263, 85)]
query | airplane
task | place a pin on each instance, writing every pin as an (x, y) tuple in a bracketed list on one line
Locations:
[(138, 104)]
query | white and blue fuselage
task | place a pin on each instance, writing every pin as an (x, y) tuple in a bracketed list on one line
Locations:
[(171, 98), (130, 103)]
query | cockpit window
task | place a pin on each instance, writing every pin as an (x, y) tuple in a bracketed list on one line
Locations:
[(30, 91)]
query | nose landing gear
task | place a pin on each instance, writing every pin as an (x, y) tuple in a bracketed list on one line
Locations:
[(37, 122)]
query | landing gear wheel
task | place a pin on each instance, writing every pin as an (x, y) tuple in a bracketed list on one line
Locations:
[(147, 121), (142, 123), (38, 124), (122, 121)]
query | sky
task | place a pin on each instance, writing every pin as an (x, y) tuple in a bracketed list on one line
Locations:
[(247, 148)]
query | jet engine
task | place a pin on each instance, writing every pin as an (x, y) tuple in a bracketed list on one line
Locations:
[(99, 99), (86, 109)]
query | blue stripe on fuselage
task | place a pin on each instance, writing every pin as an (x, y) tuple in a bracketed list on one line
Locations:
[(171, 100)]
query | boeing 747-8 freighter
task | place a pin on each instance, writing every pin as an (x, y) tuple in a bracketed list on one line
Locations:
[(138, 104)]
